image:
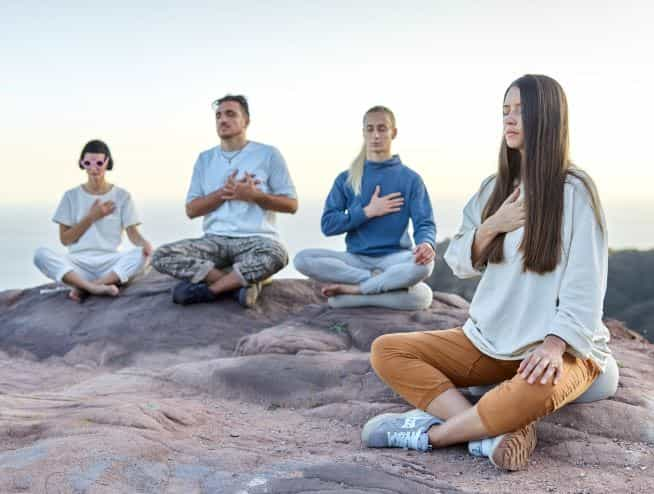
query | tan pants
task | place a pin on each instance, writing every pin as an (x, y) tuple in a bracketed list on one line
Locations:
[(420, 366)]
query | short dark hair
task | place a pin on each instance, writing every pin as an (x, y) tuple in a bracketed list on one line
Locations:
[(238, 98), (96, 146)]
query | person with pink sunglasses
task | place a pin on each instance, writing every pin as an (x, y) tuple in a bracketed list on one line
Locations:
[(92, 218)]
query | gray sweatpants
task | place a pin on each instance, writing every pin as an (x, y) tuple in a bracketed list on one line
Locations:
[(253, 258), (373, 274)]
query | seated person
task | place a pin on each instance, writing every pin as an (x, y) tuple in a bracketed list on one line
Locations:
[(237, 187), (535, 233), (372, 204), (91, 220)]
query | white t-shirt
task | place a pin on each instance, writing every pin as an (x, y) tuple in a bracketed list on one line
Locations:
[(241, 218), (104, 235), (512, 311)]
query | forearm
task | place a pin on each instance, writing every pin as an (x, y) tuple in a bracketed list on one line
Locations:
[(424, 232), (336, 222), (135, 236), (204, 205), (72, 234), (483, 237), (281, 204)]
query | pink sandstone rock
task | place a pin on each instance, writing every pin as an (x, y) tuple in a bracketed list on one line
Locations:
[(136, 394)]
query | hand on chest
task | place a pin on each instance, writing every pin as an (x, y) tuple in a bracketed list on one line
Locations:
[(218, 179)]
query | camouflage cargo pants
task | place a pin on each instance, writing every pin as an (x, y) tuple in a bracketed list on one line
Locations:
[(252, 258)]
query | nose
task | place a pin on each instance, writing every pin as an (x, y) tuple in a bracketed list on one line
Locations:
[(510, 121)]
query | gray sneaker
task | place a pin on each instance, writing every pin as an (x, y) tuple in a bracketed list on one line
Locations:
[(509, 451), (399, 430)]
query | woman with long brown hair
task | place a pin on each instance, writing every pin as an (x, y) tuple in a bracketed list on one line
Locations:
[(536, 235)]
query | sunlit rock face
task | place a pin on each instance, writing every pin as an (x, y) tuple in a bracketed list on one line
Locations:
[(136, 394)]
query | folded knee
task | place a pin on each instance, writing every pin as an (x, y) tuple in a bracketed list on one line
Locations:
[(276, 261), (158, 255), (423, 271), (382, 350), (300, 261), (40, 255)]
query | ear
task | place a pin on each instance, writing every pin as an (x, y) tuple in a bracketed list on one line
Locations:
[(394, 133), (247, 121)]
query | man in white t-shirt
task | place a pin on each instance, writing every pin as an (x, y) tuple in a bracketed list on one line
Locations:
[(237, 187)]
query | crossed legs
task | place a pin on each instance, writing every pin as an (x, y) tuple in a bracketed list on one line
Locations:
[(354, 274), (224, 264), (426, 368), (98, 274)]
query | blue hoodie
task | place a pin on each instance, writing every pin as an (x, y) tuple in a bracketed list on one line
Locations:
[(386, 234)]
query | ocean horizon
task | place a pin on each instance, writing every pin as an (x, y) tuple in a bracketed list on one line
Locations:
[(27, 227)]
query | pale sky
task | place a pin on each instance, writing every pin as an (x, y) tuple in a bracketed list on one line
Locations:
[(142, 79)]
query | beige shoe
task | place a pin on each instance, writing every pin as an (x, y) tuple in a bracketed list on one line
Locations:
[(248, 295), (511, 451)]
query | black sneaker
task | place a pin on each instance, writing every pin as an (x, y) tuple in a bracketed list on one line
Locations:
[(186, 293)]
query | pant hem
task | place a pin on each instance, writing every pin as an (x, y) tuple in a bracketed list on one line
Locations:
[(122, 277), (59, 278), (202, 273), (430, 396), (237, 270), (485, 421)]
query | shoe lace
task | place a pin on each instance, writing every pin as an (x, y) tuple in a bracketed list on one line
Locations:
[(404, 439)]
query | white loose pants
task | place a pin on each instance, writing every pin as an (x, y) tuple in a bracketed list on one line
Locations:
[(125, 264)]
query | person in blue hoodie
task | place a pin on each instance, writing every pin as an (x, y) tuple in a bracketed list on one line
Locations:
[(372, 204)]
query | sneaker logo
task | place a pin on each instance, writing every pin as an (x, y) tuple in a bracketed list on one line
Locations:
[(409, 423), (403, 439)]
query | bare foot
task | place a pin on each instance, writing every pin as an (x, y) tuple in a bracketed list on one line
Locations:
[(77, 295), (338, 289), (110, 290)]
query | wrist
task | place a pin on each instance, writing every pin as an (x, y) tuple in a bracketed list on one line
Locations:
[(486, 230), (368, 212), (555, 341)]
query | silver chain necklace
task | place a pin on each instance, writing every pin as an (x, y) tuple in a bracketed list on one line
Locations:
[(229, 159)]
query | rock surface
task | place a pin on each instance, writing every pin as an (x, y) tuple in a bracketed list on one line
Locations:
[(136, 394)]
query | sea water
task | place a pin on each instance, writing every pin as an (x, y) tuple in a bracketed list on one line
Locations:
[(25, 227)]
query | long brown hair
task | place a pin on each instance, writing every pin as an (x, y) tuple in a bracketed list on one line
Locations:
[(543, 172)]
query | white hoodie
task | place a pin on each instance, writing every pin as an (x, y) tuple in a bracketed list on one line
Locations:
[(512, 311)]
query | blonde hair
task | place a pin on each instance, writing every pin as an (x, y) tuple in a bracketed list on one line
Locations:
[(355, 173)]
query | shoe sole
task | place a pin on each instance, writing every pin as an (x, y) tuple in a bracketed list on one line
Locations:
[(514, 449)]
